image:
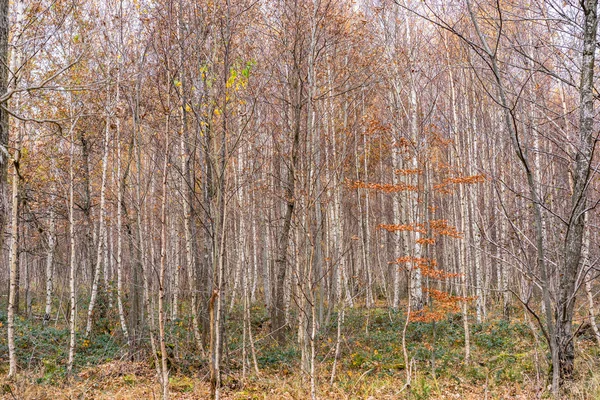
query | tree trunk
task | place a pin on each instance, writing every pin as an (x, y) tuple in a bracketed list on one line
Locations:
[(584, 147), (588, 283), (278, 311), (190, 264), (14, 263), (50, 266), (72, 263), (101, 230), (4, 155), (161, 283), (120, 192)]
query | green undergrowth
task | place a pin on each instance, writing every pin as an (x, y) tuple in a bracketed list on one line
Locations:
[(45, 349), (501, 352), (504, 354)]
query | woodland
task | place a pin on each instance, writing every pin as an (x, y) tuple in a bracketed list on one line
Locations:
[(299, 199)]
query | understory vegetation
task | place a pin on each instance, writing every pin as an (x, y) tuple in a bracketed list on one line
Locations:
[(508, 361)]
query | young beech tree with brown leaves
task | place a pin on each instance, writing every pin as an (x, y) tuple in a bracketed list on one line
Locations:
[(431, 180)]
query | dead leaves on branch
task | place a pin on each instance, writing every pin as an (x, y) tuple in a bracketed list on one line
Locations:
[(444, 187), (438, 227), (403, 228), (383, 187), (447, 184), (427, 267), (443, 304)]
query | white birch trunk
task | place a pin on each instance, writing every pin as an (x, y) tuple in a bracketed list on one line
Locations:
[(416, 285), (120, 200), (101, 230), (588, 283), (161, 283), (14, 263), (50, 266), (14, 231), (72, 265)]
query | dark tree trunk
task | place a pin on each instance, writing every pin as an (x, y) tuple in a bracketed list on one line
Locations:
[(584, 147), (278, 312), (4, 159), (86, 206)]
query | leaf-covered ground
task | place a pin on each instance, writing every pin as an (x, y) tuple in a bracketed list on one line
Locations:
[(507, 363)]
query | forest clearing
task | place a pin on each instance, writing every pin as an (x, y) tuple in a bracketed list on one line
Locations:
[(301, 199)]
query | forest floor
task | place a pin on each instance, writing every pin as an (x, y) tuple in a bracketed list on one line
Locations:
[(508, 362)]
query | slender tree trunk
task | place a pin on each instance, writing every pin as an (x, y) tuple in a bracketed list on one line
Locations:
[(120, 192), (87, 207), (397, 216), (163, 267), (416, 284), (462, 260), (267, 260), (14, 262), (190, 264), (13, 292), (72, 261), (106, 262), (584, 147), (50, 265), (216, 301), (366, 231), (101, 230), (471, 153), (278, 310), (588, 284), (24, 260), (4, 154), (313, 340), (175, 270), (219, 158)]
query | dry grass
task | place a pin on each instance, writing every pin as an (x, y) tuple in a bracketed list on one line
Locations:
[(126, 380), (506, 365)]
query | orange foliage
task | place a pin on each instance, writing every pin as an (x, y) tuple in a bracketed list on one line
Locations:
[(441, 227), (384, 187), (437, 226), (403, 143), (402, 228), (418, 261), (468, 180), (436, 139), (425, 241), (459, 180), (435, 157), (437, 273), (444, 303), (408, 171), (373, 126), (427, 267)]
